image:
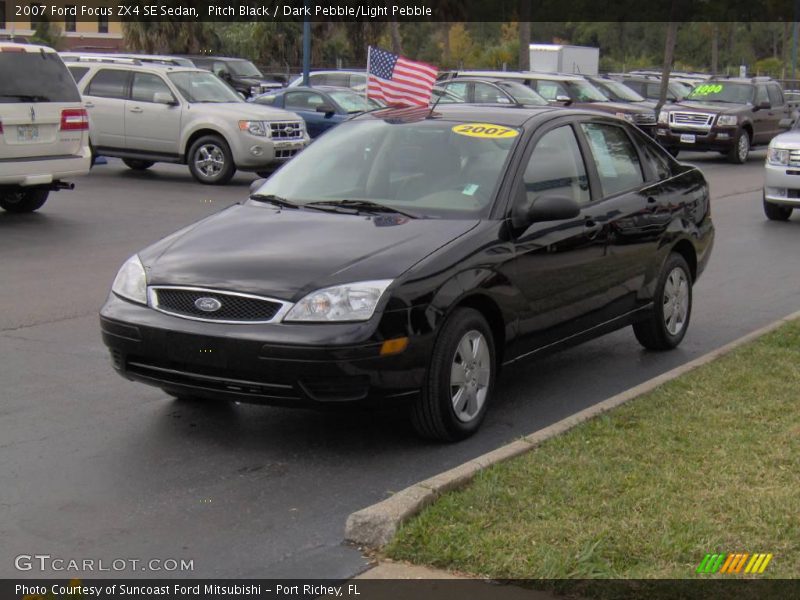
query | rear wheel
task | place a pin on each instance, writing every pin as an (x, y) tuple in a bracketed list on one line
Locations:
[(460, 379), (672, 309), (741, 149), (137, 164), (210, 160), (777, 212), (24, 200)]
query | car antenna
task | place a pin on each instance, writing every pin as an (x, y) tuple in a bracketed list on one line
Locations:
[(433, 107)]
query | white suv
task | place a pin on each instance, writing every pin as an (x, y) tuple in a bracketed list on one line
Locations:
[(44, 135), (148, 113)]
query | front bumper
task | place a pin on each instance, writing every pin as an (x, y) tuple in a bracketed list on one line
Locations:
[(44, 170), (251, 152), (719, 139), (782, 185), (274, 363)]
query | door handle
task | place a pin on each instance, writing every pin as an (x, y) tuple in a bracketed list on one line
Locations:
[(651, 200), (137, 109), (89, 105)]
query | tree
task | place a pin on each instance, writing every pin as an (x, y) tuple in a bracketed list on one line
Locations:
[(47, 34), (669, 58), (169, 37)]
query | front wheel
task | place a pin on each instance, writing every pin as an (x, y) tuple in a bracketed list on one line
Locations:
[(210, 160), (24, 200), (137, 164), (741, 149), (777, 212), (672, 308), (460, 379)]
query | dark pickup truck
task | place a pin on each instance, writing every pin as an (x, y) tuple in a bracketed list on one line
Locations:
[(729, 116)]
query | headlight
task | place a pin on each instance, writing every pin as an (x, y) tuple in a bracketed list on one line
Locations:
[(778, 156), (254, 128), (349, 302), (131, 282), (663, 117), (626, 116), (726, 120)]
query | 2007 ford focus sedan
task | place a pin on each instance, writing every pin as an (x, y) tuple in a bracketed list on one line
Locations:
[(409, 254)]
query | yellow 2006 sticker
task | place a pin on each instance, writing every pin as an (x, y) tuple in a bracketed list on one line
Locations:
[(485, 130)]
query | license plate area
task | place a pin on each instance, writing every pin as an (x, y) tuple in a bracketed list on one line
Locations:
[(288, 145), (688, 138), (27, 133), (197, 350)]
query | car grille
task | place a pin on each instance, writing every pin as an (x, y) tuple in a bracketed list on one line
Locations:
[(287, 130), (645, 119), (233, 307), (794, 158), (691, 119), (286, 153)]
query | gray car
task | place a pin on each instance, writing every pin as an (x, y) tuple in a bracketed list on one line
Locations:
[(148, 113)]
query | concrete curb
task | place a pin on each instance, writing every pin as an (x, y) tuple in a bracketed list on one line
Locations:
[(376, 525)]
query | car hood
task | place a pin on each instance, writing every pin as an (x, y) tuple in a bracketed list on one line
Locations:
[(706, 107), (245, 110), (790, 139), (286, 254)]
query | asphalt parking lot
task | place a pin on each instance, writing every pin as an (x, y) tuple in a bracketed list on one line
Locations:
[(97, 467)]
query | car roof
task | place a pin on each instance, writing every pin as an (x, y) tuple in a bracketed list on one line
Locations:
[(510, 116), (153, 67), (17, 47)]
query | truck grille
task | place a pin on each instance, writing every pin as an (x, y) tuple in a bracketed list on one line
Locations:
[(691, 119), (645, 119), (287, 130), (794, 158), (230, 307)]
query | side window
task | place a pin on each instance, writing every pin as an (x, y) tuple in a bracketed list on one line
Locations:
[(108, 83), (637, 87), (615, 158), (458, 88), (775, 95), (489, 94), (550, 89), (145, 86), (654, 91), (761, 94), (218, 68), (303, 101), (655, 155), (556, 168), (78, 72), (357, 80)]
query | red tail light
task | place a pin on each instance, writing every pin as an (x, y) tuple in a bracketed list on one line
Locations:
[(74, 119)]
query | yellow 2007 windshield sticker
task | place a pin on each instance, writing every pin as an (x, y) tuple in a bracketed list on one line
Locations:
[(485, 130)]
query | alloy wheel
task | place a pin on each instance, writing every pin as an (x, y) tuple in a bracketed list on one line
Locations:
[(209, 160), (676, 301)]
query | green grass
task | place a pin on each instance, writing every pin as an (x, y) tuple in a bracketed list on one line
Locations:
[(709, 462)]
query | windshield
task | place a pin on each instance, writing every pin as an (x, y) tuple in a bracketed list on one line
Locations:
[(197, 86), (430, 168), (244, 68), (583, 91), (618, 91), (350, 101), (45, 79), (738, 93), (522, 93)]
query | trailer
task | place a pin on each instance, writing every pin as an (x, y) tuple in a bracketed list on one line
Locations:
[(561, 58)]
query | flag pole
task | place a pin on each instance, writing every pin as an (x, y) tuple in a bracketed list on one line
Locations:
[(366, 88)]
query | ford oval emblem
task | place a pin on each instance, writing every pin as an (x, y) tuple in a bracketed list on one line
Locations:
[(207, 304)]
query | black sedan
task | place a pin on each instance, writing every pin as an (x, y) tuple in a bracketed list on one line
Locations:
[(409, 254)]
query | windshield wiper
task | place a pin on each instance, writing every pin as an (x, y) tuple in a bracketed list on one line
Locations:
[(273, 199), (362, 205)]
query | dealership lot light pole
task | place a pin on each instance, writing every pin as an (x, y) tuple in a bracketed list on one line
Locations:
[(306, 43)]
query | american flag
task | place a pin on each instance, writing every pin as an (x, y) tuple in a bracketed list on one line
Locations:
[(397, 80)]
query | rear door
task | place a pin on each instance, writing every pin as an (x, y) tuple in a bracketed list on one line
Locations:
[(105, 95), (35, 90), (765, 120), (151, 126), (779, 107)]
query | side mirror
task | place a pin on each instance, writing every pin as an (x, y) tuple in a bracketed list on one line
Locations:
[(256, 185), (765, 105), (327, 109), (565, 99), (546, 208), (164, 98)]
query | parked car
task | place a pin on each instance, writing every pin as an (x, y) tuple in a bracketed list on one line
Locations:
[(242, 75), (407, 255), (475, 90), (44, 128), (729, 116), (649, 86), (148, 113), (355, 80), (781, 185), (619, 92), (320, 107)]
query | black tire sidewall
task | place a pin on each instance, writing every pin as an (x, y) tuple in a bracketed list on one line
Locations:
[(734, 152), (33, 199), (138, 164), (228, 170), (673, 260), (776, 212)]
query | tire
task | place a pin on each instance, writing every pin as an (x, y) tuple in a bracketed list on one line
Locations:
[(741, 149), (24, 200), (138, 164), (210, 160), (777, 212), (265, 174), (664, 330), (435, 414)]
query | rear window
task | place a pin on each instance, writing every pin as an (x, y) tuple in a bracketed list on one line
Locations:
[(45, 79)]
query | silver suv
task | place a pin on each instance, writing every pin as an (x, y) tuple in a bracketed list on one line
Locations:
[(44, 129), (147, 113)]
